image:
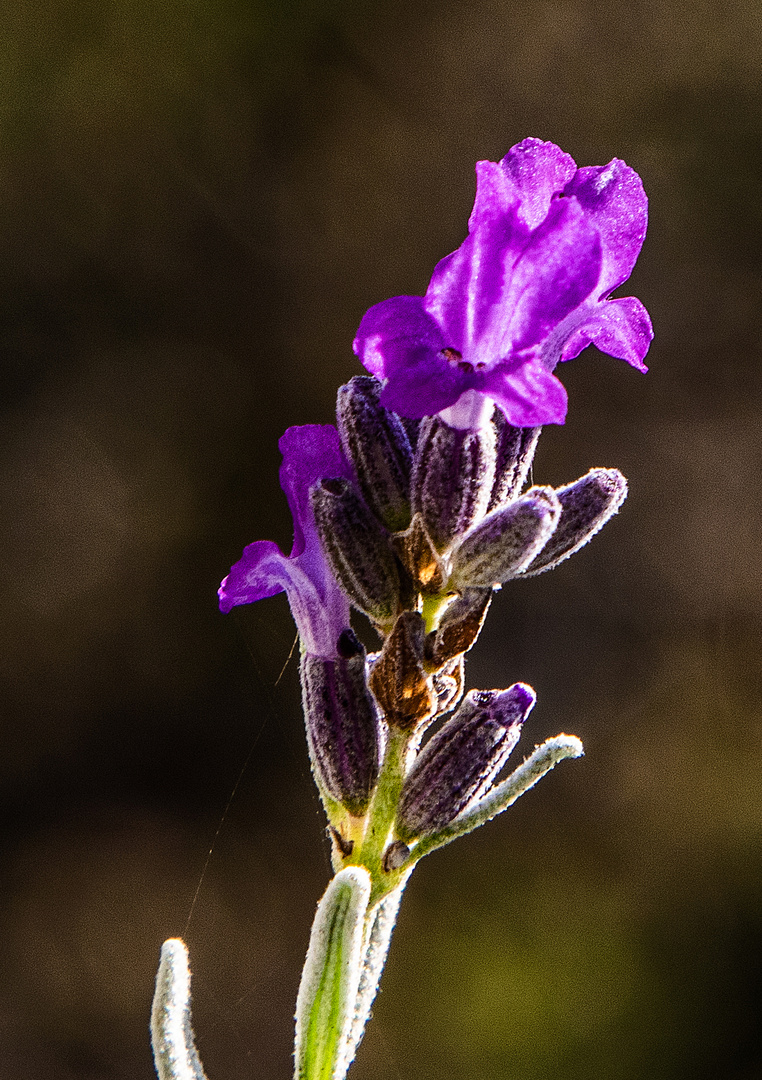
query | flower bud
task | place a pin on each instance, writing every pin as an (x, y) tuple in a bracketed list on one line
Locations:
[(357, 548), (506, 541), (453, 473), (343, 725), (514, 453), (458, 764), (412, 426), (376, 443), (398, 678), (586, 506)]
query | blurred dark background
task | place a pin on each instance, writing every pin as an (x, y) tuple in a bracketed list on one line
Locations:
[(198, 201)]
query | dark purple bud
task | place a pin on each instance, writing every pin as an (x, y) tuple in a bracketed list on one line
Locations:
[(357, 548), (507, 541), (514, 454), (459, 627), (453, 473), (398, 679), (418, 555), (343, 728), (412, 426), (459, 763), (376, 443), (586, 506)]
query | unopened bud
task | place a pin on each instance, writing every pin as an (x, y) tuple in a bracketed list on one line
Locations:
[(459, 627), (458, 764), (514, 454), (453, 473), (412, 426), (343, 726), (376, 443), (357, 548), (398, 678), (507, 541), (586, 506)]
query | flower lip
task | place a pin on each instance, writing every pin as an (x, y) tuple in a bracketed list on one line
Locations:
[(528, 287), (311, 454)]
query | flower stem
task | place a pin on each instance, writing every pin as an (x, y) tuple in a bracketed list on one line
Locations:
[(381, 813)]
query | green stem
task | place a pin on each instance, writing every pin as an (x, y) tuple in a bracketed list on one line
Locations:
[(433, 609), (380, 820)]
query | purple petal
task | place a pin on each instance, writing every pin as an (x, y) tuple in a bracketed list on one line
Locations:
[(311, 452), (496, 199), (422, 382), (528, 394), (258, 573), (467, 285), (614, 201), (621, 328), (401, 317), (319, 608), (556, 273), (538, 170)]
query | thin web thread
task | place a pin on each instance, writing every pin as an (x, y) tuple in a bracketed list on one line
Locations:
[(238, 781)]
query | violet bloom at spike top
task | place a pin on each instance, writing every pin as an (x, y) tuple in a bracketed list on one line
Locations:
[(321, 610), (528, 287)]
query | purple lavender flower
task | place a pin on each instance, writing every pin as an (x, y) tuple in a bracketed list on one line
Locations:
[(321, 610), (528, 287)]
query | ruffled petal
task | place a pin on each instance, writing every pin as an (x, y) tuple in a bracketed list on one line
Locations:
[(261, 571), (547, 243), (621, 328), (538, 170), (467, 285), (614, 201), (401, 317), (556, 273), (320, 609), (528, 394)]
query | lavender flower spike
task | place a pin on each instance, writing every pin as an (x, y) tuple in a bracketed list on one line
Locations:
[(321, 610), (528, 287)]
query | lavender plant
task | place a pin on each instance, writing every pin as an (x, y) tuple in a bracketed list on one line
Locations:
[(413, 509)]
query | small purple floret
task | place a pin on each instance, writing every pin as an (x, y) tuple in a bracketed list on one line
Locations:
[(527, 288), (321, 610)]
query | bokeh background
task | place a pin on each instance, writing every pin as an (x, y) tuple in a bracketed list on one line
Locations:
[(198, 201)]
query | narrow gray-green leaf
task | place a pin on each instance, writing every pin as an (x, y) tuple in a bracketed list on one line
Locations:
[(328, 992), (174, 1050), (375, 950)]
